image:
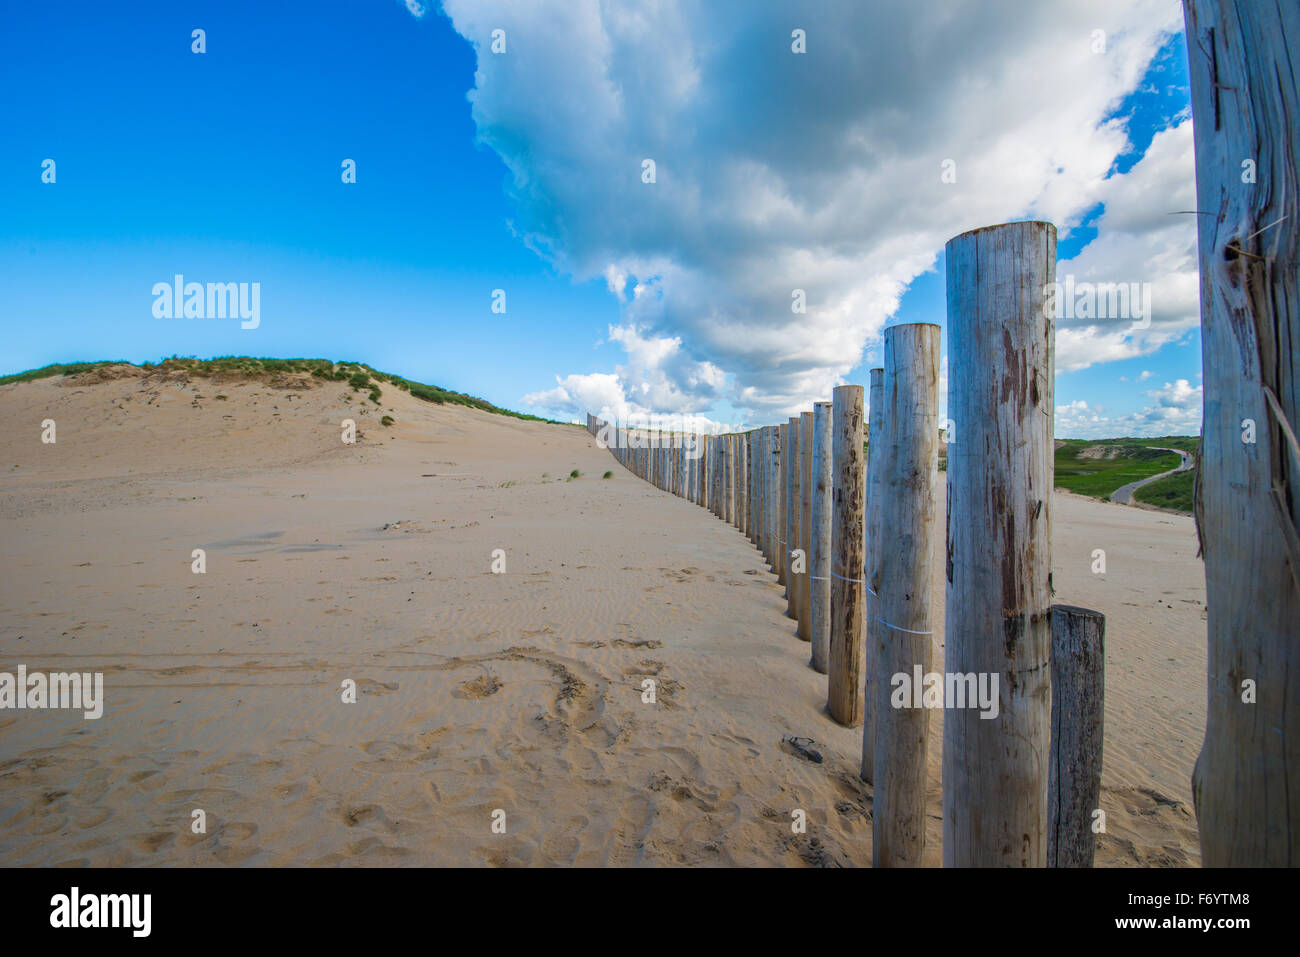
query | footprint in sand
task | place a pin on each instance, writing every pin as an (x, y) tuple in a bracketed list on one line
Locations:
[(627, 838), (481, 687)]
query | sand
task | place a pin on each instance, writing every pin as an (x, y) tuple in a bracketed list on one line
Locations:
[(477, 692)]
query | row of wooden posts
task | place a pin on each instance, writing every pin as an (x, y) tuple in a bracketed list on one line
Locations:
[(850, 528), (1245, 92)]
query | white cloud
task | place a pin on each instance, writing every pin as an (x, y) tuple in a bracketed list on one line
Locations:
[(1143, 239), (818, 171), (1175, 410), (659, 377)]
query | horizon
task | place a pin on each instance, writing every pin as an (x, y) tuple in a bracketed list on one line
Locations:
[(472, 179)]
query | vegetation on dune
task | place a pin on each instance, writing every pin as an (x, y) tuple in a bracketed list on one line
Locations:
[(357, 374), (1173, 492), (1099, 467), (58, 368)]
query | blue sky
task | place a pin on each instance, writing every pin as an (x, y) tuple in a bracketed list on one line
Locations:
[(225, 166)]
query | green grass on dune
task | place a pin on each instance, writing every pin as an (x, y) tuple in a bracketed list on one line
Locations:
[(357, 374), (58, 368), (1122, 461), (1173, 492)]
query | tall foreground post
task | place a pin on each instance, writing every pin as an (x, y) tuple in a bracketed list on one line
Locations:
[(819, 560), (844, 677), (1074, 777), (904, 602), (1000, 345), (1245, 79), (805, 522), (876, 442)]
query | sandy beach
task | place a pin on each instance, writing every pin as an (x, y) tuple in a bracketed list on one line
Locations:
[(519, 691)]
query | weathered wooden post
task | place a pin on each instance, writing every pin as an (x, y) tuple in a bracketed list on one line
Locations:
[(742, 479), (1245, 79), (683, 466), (904, 601), (792, 513), (804, 629), (777, 495), (779, 532), (877, 441), (728, 478), (701, 456), (706, 473), (721, 471), (1000, 346), (1074, 776), (715, 480), (749, 485), (844, 674), (761, 466), (768, 458), (819, 559), (771, 452)]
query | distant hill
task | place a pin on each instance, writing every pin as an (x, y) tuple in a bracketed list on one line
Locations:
[(357, 374), (1097, 467)]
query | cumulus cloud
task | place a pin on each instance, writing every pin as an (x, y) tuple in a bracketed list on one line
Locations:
[(1145, 240), (777, 171), (659, 377), (1175, 409)]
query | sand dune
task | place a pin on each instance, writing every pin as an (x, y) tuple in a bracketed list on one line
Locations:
[(477, 692)]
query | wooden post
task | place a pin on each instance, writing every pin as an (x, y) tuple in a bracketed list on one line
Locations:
[(844, 677), (904, 601), (684, 467), (742, 479), (776, 495), (778, 533), (1245, 80), (720, 477), (760, 475), (728, 478), (1000, 344), (749, 485), (804, 631), (701, 455), (1074, 775), (706, 472), (819, 558), (792, 512), (877, 441), (768, 458)]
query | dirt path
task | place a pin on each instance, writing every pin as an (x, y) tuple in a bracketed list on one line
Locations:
[(1124, 494)]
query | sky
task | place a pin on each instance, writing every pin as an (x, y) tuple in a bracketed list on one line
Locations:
[(823, 152)]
